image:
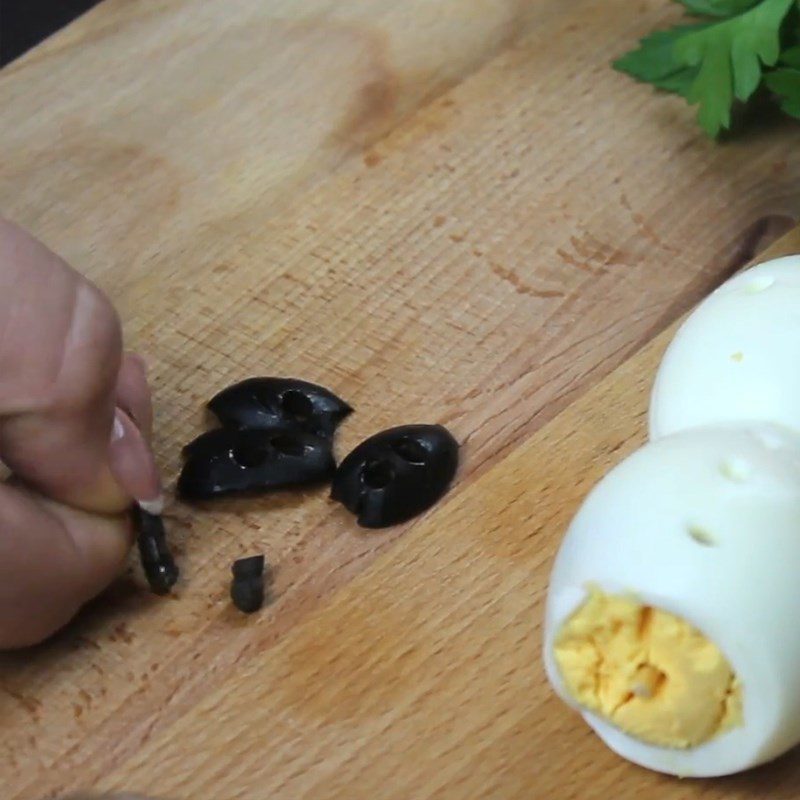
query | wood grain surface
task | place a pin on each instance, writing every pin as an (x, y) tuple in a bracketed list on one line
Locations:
[(447, 211)]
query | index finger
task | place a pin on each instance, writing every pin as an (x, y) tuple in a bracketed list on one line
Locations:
[(60, 355)]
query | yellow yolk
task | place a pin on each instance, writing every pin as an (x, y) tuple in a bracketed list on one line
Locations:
[(648, 672)]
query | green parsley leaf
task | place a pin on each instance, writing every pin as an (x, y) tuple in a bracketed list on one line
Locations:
[(791, 57), (725, 58), (654, 61), (786, 84), (679, 82), (729, 56), (717, 8)]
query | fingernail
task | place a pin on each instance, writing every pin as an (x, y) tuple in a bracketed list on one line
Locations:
[(132, 463), (155, 507), (119, 428)]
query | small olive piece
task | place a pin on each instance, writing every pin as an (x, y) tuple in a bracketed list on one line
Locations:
[(396, 474), (157, 561), (280, 403), (247, 586), (232, 461)]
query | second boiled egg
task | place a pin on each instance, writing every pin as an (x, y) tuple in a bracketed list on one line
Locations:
[(736, 358)]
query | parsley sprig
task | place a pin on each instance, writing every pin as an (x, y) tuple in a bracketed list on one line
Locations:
[(737, 49)]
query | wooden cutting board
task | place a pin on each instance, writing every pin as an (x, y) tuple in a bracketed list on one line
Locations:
[(446, 210)]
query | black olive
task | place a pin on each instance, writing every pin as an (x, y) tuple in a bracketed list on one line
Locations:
[(279, 403), (157, 561), (247, 586), (207, 443), (396, 474), (250, 567), (229, 461)]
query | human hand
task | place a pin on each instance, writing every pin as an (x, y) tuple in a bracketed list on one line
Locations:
[(68, 401)]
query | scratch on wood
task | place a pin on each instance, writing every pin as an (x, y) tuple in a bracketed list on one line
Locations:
[(30, 704), (644, 227), (123, 632), (591, 255), (762, 233), (511, 277)]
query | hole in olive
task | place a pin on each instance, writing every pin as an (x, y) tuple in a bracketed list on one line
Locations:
[(288, 445), (760, 284), (248, 454), (410, 451), (735, 469), (700, 535), (297, 405), (377, 474)]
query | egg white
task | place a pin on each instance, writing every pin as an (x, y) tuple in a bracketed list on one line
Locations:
[(736, 357), (738, 584)]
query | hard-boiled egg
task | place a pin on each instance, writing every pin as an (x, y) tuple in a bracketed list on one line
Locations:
[(671, 613), (737, 355)]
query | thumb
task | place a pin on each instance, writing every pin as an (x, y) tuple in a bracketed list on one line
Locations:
[(53, 559)]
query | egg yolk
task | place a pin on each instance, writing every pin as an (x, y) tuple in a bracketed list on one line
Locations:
[(648, 672)]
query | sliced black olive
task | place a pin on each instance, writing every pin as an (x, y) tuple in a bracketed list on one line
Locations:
[(247, 586), (157, 561), (229, 461), (250, 567), (280, 402), (396, 474), (207, 443)]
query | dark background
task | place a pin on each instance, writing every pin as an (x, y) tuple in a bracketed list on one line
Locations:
[(24, 23)]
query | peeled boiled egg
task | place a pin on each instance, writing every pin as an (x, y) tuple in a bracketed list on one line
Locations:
[(737, 355), (671, 612)]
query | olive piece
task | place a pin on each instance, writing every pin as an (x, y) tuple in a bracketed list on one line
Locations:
[(207, 443), (249, 567), (157, 561), (396, 474), (247, 586), (230, 461), (279, 403)]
